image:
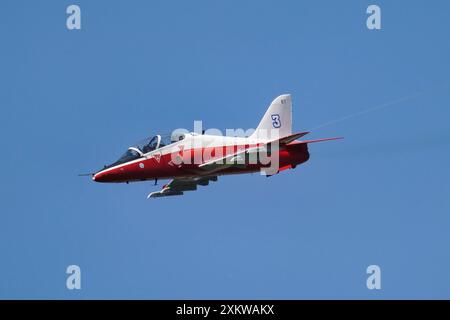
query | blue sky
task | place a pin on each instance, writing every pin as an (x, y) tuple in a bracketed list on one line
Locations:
[(72, 101)]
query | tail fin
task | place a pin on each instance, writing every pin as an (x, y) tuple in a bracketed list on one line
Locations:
[(277, 120)]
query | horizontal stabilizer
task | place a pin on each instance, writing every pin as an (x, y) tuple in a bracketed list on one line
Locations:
[(320, 140), (292, 137)]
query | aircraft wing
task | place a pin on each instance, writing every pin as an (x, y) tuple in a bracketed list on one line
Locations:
[(238, 159), (176, 187)]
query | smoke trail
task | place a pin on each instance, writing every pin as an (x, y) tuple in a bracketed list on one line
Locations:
[(378, 107)]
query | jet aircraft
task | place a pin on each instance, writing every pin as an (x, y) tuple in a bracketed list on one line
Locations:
[(192, 159)]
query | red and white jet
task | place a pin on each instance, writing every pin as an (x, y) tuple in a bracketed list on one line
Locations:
[(190, 159)]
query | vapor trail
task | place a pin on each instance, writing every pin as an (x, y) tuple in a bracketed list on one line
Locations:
[(377, 107)]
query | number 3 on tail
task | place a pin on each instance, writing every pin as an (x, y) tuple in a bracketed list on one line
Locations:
[(276, 120)]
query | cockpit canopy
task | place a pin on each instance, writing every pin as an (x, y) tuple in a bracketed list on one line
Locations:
[(145, 146)]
